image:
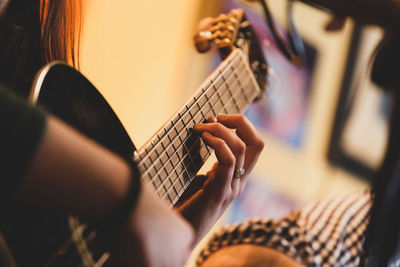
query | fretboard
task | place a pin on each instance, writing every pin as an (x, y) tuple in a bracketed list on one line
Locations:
[(174, 155)]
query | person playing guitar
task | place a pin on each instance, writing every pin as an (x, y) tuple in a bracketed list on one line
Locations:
[(48, 165)]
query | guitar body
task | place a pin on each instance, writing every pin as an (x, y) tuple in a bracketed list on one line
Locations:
[(44, 238), (77, 102)]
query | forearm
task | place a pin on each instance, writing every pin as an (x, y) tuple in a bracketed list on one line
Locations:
[(71, 173)]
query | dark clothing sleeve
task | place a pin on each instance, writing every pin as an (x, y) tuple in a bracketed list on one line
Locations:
[(21, 128)]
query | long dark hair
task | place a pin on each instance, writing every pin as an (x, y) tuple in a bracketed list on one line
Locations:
[(35, 32)]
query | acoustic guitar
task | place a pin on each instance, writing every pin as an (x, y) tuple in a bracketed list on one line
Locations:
[(169, 160)]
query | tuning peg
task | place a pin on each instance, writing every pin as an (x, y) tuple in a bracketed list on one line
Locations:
[(222, 17), (203, 37), (202, 41), (221, 30)]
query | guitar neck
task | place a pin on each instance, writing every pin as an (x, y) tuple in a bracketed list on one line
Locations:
[(175, 154)]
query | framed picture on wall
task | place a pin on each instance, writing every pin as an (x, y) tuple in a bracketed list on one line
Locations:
[(360, 127), (282, 113)]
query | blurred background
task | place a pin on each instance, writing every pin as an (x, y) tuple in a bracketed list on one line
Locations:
[(324, 124)]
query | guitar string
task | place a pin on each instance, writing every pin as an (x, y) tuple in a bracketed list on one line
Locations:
[(176, 192), (224, 83), (168, 188), (178, 117), (202, 91), (184, 119), (169, 183), (182, 141), (178, 165), (196, 161)]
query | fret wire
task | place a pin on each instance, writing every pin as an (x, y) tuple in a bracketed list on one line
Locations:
[(231, 76), (225, 65), (162, 153), (191, 117), (230, 92), (173, 182), (218, 82), (180, 160), (174, 193), (241, 89), (179, 178), (221, 83), (180, 164), (201, 111), (207, 101), (170, 199), (185, 118), (141, 169), (156, 181), (173, 133), (160, 192), (177, 129), (245, 83), (178, 192), (234, 71), (223, 96), (206, 91), (163, 163), (238, 92), (177, 189), (221, 101), (226, 89), (190, 103), (196, 101), (195, 111), (167, 172), (192, 161), (213, 87), (242, 100), (202, 158), (188, 154)]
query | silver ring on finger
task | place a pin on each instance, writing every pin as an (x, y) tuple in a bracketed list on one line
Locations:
[(238, 173)]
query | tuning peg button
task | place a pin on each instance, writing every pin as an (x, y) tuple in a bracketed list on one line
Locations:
[(202, 41)]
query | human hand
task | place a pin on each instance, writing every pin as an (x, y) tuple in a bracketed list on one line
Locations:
[(154, 235), (237, 145)]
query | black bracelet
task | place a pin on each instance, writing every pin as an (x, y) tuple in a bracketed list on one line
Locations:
[(122, 212)]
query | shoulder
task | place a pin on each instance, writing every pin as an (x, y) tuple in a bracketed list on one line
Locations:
[(330, 230)]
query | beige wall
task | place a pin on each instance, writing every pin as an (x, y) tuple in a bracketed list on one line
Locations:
[(136, 53)]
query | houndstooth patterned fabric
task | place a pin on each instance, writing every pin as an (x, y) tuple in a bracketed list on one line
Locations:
[(328, 233)]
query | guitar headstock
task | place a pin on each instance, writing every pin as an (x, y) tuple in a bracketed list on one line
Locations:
[(233, 31)]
